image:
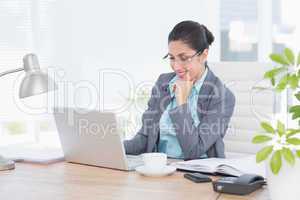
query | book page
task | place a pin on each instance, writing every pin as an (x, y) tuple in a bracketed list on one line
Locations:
[(243, 165), (233, 166), (208, 165)]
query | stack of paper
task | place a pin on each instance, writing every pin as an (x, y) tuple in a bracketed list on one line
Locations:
[(32, 153)]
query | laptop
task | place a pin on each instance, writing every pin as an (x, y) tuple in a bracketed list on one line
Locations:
[(92, 138)]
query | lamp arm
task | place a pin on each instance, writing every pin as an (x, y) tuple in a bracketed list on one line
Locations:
[(11, 71)]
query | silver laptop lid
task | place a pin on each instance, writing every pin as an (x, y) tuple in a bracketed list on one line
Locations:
[(90, 137)]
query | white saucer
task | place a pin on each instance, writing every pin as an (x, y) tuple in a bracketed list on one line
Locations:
[(168, 170)]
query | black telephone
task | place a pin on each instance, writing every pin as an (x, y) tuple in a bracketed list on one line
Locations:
[(241, 185)]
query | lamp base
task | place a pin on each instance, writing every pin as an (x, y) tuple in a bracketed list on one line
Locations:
[(6, 164)]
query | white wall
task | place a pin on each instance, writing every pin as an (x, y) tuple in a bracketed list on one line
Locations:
[(129, 35)]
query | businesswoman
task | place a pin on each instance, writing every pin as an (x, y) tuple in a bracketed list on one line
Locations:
[(190, 108)]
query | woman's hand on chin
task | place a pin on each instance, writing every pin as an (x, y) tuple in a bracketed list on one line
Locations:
[(182, 90)]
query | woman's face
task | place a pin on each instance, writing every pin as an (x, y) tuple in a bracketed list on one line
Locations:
[(186, 68)]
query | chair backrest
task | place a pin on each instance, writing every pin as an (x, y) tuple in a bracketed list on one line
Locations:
[(251, 106)]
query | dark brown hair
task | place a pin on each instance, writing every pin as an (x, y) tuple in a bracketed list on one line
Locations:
[(195, 35)]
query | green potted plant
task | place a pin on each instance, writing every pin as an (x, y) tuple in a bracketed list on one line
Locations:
[(281, 150)]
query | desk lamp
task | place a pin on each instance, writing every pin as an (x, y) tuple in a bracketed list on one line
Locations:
[(35, 82)]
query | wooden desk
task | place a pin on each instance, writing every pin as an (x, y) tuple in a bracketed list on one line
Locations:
[(72, 181)]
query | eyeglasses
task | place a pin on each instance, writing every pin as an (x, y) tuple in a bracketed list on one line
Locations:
[(182, 61)]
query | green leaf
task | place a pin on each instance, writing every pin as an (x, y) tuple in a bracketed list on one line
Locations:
[(288, 155), (273, 81), (261, 139), (298, 62), (263, 153), (295, 108), (292, 132), (298, 153), (294, 141), (274, 72), (282, 83), (293, 81), (267, 127), (296, 111), (298, 96), (279, 59), (280, 128), (276, 162), (295, 115), (289, 55)]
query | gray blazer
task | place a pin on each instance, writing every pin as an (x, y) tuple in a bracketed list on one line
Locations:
[(215, 107)]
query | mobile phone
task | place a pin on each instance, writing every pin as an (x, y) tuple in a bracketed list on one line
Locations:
[(197, 177)]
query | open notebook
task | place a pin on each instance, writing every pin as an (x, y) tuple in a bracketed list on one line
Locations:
[(223, 166)]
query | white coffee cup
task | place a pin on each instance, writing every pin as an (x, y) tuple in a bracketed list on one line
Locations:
[(155, 161)]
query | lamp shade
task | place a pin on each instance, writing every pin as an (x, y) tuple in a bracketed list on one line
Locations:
[(35, 81)]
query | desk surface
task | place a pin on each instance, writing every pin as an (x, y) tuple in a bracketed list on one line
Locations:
[(72, 181)]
